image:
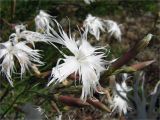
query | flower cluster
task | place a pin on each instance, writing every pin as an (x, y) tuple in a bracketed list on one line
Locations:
[(94, 25), (85, 60)]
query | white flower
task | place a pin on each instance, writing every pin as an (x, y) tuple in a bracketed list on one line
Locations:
[(13, 49), (44, 22), (88, 1), (93, 25), (86, 61), (113, 29), (119, 102), (32, 112)]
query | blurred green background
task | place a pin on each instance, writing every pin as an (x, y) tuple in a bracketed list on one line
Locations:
[(32, 89)]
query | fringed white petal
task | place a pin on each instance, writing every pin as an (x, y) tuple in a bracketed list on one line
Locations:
[(66, 40), (32, 37), (8, 67), (44, 22), (62, 71), (113, 29), (33, 54), (90, 80), (24, 61), (3, 50), (93, 25)]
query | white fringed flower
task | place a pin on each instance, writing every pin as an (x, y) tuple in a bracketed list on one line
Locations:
[(88, 1), (113, 29), (86, 61), (44, 22), (119, 102), (13, 49), (32, 112), (93, 25)]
